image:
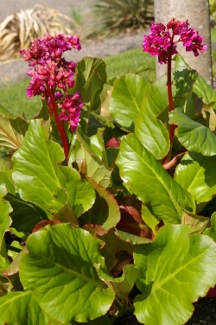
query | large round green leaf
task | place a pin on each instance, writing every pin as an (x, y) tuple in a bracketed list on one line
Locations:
[(127, 96), (196, 174), (41, 180), (175, 270), (59, 269), (90, 80), (150, 131), (36, 172), (204, 90), (144, 176), (192, 135), (21, 308)]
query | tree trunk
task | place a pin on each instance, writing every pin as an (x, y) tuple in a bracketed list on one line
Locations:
[(197, 13)]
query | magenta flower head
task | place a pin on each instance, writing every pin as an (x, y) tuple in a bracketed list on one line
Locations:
[(52, 76), (48, 69), (162, 40), (71, 110)]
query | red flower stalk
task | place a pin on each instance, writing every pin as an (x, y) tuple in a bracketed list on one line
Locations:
[(52, 77), (162, 42)]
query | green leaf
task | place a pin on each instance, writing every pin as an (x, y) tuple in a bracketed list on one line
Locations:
[(175, 270), (204, 91), (6, 178), (5, 163), (149, 219), (97, 145), (196, 174), (198, 223), (85, 197), (209, 115), (36, 173), (80, 194), (21, 308), (126, 99), (90, 80), (11, 132), (180, 63), (149, 130), (25, 215), (144, 176), (211, 231), (41, 180), (133, 239), (123, 285), (3, 289), (62, 275), (113, 244), (89, 161), (5, 222), (105, 211), (192, 135), (184, 80), (5, 209)]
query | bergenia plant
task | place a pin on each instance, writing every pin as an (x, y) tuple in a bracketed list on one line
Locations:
[(162, 41), (107, 193), (52, 77)]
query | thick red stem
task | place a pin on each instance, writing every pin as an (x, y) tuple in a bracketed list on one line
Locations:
[(60, 126), (171, 102)]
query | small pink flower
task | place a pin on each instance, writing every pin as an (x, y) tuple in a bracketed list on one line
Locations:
[(71, 110)]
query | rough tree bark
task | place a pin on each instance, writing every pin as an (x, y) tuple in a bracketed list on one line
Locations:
[(197, 13)]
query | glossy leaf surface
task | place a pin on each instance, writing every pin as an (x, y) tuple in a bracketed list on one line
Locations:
[(62, 275), (196, 174), (175, 270), (144, 176), (127, 96), (192, 135), (91, 164), (21, 308), (39, 177), (90, 80), (150, 131)]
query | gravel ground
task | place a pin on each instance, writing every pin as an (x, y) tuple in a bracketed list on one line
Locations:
[(205, 309)]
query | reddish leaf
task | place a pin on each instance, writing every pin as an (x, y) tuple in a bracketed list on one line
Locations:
[(95, 230), (113, 142), (131, 220), (44, 223), (112, 247)]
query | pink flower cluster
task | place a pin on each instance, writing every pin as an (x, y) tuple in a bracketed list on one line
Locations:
[(71, 109), (52, 76), (162, 40)]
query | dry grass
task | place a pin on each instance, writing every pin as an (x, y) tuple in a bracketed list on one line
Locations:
[(17, 30)]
